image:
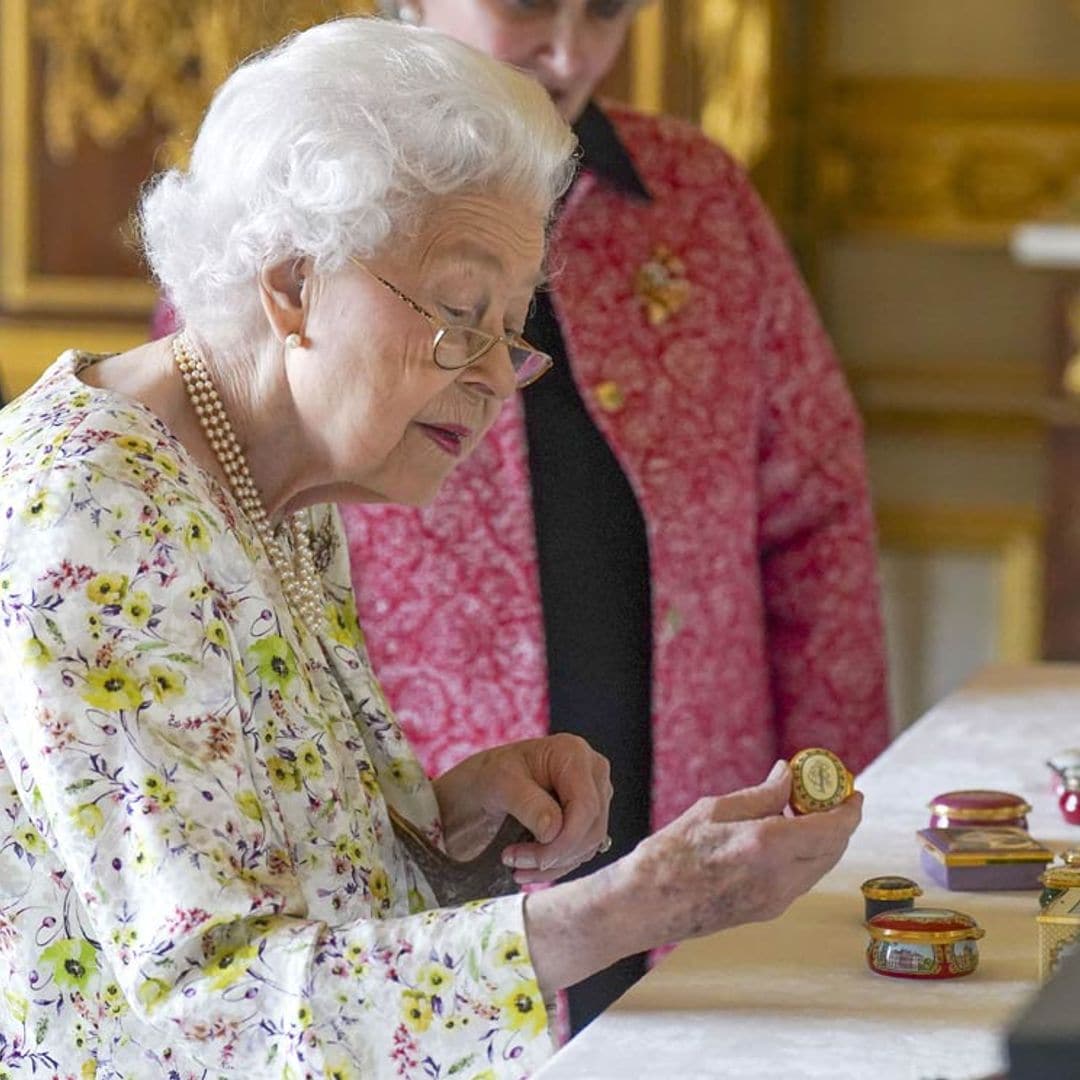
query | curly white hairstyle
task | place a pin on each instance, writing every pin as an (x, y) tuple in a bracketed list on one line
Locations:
[(334, 143)]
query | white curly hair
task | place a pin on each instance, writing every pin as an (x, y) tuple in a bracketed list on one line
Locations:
[(334, 143)]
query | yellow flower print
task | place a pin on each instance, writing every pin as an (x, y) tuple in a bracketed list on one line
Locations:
[(72, 960), (38, 508), (111, 688), (304, 1016), (37, 653), (107, 588), (166, 684), (379, 887), (368, 781), (88, 819), (337, 1068), (199, 592), (217, 633), (137, 608), (31, 840), (229, 964), (275, 661), (141, 859), (88, 1070), (154, 787), (523, 1008), (344, 627), (406, 773), (435, 979), (196, 536), (416, 1010), (134, 445), (247, 802), (113, 999), (283, 774), (487, 1074), (151, 992), (510, 951), (309, 760), (166, 465)]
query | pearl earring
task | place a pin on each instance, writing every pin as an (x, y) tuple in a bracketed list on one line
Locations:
[(408, 14), (293, 341)]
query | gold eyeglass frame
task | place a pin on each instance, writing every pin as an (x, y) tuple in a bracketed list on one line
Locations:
[(513, 342)]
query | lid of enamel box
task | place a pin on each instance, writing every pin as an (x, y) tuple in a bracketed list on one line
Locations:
[(890, 887), (924, 924), (979, 803), (984, 846)]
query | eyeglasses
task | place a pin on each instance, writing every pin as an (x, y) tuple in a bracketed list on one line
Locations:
[(456, 347)]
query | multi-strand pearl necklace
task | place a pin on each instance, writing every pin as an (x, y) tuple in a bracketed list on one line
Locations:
[(300, 582)]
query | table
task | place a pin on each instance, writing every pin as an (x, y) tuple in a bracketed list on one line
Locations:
[(794, 998)]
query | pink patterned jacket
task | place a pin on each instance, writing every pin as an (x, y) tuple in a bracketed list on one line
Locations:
[(732, 421)]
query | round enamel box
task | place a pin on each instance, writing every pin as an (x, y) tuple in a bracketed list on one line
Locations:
[(923, 943), (889, 893), (974, 808), (819, 781), (1063, 764)]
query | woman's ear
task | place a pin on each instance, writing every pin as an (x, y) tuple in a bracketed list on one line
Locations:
[(284, 292)]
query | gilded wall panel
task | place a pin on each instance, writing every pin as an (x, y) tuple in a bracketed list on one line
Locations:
[(945, 160)]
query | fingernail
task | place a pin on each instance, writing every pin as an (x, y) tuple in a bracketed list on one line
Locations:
[(777, 770), (544, 824), (520, 860)]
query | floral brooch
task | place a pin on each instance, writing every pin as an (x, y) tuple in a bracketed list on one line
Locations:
[(661, 286)]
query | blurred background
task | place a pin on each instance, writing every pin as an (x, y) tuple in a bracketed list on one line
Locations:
[(923, 158)]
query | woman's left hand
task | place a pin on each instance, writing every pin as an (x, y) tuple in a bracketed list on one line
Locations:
[(558, 787)]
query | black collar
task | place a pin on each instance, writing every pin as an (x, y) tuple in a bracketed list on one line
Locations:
[(603, 153)]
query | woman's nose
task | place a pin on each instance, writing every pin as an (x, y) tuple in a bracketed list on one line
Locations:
[(493, 374), (566, 55)]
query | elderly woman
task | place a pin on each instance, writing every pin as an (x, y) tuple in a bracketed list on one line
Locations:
[(677, 517), (219, 855)]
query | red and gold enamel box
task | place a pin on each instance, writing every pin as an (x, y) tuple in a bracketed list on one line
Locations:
[(923, 943), (981, 859), (975, 807)]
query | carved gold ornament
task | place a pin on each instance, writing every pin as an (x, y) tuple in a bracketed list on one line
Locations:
[(114, 66)]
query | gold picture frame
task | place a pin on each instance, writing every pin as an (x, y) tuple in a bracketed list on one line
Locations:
[(22, 288)]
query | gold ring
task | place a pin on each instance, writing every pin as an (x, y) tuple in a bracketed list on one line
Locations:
[(605, 846)]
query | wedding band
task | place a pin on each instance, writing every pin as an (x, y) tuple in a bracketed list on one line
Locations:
[(605, 846)]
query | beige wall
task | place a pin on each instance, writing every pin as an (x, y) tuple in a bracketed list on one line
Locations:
[(923, 304)]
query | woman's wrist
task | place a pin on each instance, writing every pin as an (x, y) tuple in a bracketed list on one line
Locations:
[(579, 927)]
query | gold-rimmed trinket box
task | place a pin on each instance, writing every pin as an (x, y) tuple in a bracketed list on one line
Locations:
[(974, 807), (889, 892), (819, 781), (923, 943), (981, 859)]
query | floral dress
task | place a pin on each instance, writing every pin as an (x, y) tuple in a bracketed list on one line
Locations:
[(198, 876)]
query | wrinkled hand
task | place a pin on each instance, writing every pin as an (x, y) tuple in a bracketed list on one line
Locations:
[(734, 859), (558, 787)]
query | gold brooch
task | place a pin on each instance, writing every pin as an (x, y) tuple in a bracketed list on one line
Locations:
[(661, 286)]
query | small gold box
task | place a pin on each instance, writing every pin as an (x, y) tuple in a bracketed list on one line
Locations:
[(1059, 929)]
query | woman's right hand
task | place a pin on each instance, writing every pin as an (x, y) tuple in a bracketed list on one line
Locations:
[(728, 860)]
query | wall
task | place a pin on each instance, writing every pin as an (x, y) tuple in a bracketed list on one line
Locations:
[(948, 342)]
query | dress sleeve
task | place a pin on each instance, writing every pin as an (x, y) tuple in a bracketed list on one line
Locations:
[(816, 527), (127, 722)]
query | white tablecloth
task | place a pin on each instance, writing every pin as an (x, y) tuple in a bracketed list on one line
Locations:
[(794, 998)]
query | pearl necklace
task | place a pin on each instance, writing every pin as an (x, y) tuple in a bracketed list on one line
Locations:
[(300, 582)]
